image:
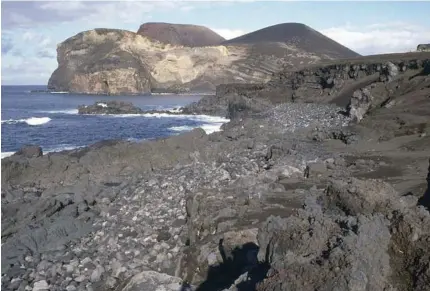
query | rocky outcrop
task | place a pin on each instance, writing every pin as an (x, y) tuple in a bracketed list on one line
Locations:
[(180, 34), (423, 48), (110, 107), (292, 196), (30, 151), (109, 61), (330, 243), (359, 85)]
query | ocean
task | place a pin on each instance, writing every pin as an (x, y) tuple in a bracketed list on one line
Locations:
[(51, 120)]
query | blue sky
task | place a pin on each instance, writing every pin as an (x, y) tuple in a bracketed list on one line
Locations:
[(31, 30)]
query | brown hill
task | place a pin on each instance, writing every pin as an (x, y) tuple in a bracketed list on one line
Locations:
[(180, 34), (299, 35)]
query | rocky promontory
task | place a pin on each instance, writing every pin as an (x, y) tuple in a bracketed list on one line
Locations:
[(111, 61), (295, 193), (109, 107)]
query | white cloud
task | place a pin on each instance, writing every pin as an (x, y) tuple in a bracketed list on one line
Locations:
[(25, 70), (380, 37), (187, 8), (229, 33)]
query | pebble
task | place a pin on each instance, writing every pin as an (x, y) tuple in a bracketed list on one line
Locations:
[(40, 286)]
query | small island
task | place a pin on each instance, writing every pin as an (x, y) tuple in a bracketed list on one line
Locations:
[(110, 107)]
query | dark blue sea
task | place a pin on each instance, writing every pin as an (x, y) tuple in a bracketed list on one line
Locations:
[(51, 120)]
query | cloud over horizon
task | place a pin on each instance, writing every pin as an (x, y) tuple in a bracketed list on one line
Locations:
[(380, 37)]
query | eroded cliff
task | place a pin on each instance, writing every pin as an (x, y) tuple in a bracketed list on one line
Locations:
[(109, 61)]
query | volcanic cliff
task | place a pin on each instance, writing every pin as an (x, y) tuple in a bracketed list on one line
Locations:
[(110, 61)]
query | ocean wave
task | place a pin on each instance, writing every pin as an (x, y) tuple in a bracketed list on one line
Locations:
[(65, 111), (202, 118), (30, 121), (59, 92), (182, 128), (6, 154), (60, 148), (209, 124), (208, 127)]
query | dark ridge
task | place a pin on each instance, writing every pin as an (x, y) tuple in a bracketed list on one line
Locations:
[(300, 35), (180, 34)]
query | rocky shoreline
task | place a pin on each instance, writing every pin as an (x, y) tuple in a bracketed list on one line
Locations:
[(290, 195)]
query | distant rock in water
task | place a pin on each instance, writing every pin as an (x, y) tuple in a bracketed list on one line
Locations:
[(40, 91), (180, 34), (109, 107)]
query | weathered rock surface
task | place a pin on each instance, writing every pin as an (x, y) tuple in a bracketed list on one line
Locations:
[(360, 85), (109, 61), (110, 107), (290, 195), (30, 151), (180, 34)]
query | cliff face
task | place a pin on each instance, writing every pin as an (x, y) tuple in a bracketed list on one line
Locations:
[(109, 61), (95, 62)]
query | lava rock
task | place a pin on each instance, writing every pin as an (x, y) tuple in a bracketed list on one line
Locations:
[(110, 107)]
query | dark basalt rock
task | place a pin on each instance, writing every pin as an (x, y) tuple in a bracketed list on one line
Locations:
[(30, 151), (288, 196), (110, 107)]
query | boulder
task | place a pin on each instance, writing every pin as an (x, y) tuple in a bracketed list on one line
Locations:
[(30, 151), (330, 243)]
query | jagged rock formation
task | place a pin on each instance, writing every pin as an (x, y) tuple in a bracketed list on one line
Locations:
[(360, 85), (108, 61), (180, 34)]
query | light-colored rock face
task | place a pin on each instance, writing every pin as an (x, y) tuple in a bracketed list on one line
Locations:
[(115, 61)]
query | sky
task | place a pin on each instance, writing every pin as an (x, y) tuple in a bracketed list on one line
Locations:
[(30, 31)]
